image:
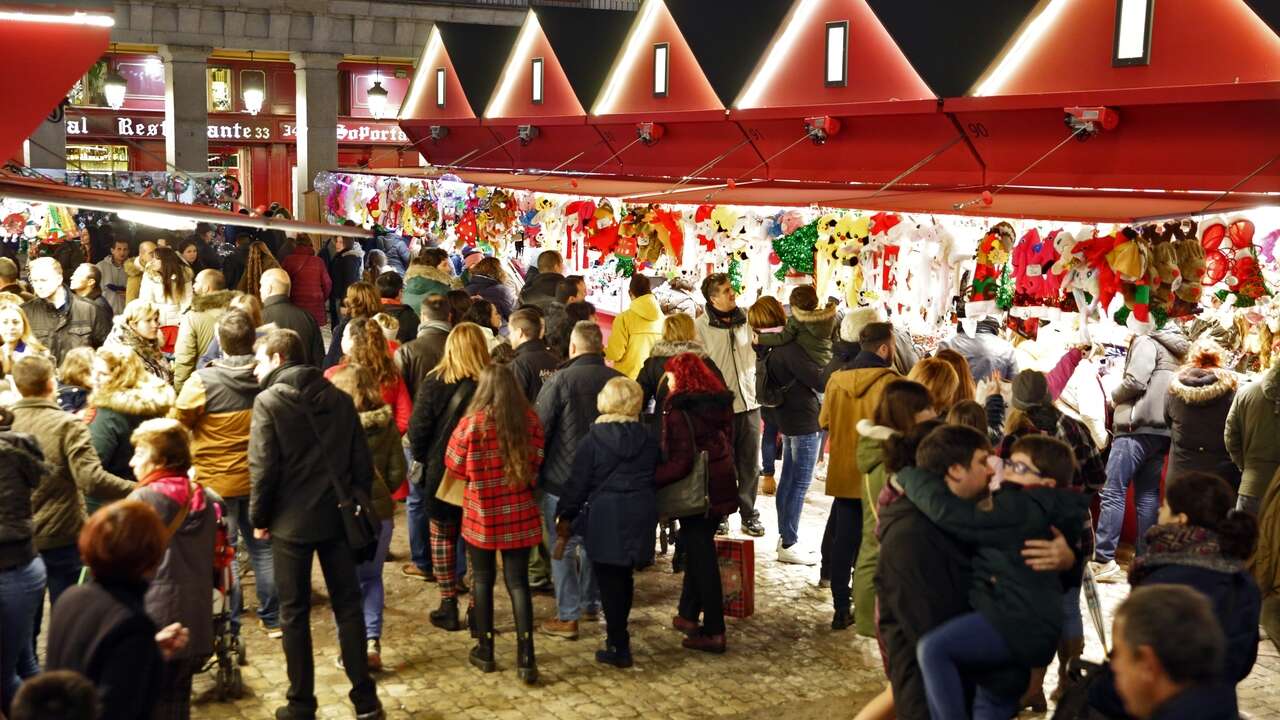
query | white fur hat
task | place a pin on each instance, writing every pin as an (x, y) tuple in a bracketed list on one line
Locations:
[(855, 320)]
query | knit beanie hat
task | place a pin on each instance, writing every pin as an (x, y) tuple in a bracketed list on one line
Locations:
[(1030, 389)]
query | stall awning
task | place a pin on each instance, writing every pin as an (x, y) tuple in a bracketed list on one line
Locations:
[(44, 51), (44, 191)]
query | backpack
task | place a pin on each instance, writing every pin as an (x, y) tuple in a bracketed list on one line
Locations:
[(768, 393)]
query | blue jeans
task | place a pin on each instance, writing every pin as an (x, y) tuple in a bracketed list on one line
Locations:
[(1137, 459), (969, 641), (799, 456), (370, 576), (770, 449), (572, 575), (21, 596), (264, 577), (419, 528), (62, 567)]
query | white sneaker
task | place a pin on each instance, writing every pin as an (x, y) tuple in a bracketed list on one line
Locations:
[(1108, 572), (796, 555)]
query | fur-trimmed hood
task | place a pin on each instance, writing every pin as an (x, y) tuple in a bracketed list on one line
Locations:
[(823, 314), (433, 274), (150, 398), (372, 420), (1201, 386), (216, 300), (870, 430), (664, 348)]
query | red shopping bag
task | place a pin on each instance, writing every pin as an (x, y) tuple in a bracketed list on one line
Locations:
[(737, 559)]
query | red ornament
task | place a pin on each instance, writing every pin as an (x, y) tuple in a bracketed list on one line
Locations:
[(987, 197), (573, 183), (732, 184), (774, 259)]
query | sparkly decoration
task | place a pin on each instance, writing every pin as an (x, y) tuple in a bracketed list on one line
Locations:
[(1004, 292), (626, 265), (796, 250), (735, 275)]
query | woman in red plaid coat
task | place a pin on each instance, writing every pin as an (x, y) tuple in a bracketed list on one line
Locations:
[(497, 450)]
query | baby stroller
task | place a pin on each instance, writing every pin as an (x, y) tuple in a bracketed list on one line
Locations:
[(228, 650)]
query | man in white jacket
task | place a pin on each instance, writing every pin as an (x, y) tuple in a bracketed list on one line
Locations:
[(724, 333)]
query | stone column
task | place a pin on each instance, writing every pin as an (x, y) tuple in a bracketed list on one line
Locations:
[(186, 107), (317, 112), (51, 153)]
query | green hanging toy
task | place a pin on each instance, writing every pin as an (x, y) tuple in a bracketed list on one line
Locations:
[(796, 250)]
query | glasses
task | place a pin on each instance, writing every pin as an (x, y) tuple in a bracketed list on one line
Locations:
[(1023, 469)]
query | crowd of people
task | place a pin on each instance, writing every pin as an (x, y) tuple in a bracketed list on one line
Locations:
[(162, 393)]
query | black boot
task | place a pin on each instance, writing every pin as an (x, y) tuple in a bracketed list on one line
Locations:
[(526, 664), (446, 616), (482, 654), (617, 655), (842, 619)]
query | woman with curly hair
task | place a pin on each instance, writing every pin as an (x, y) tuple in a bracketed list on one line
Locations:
[(124, 395), (364, 344), (489, 281), (362, 301), (137, 330), (258, 261)]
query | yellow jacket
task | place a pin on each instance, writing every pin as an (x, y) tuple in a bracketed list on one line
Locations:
[(634, 334), (851, 395)]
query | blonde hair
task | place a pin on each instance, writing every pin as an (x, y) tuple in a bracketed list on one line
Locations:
[(251, 305), (139, 310), (766, 312), (940, 379), (678, 327), (125, 370), (167, 440), (77, 367), (466, 354), (362, 300), (358, 382), (621, 396), (28, 337), (389, 325)]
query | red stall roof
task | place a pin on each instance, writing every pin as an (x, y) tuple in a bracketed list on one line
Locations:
[(564, 140), (46, 50)]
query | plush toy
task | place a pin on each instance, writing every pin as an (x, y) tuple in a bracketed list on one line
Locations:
[(1231, 263), (993, 254)]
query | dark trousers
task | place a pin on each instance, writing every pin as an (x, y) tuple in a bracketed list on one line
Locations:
[(293, 583), (845, 524), (173, 696), (62, 568), (701, 594), (515, 571), (746, 459), (617, 588)]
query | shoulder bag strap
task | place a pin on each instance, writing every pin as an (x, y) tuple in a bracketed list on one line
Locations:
[(184, 509), (454, 402), (343, 493)]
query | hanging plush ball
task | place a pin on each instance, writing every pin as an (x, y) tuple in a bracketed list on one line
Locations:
[(774, 259), (731, 184), (987, 197)]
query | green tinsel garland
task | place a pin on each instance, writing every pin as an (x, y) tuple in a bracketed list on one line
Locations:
[(626, 265), (735, 275), (796, 250), (1004, 292)]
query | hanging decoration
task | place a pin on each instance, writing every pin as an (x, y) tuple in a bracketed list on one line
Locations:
[(795, 250)]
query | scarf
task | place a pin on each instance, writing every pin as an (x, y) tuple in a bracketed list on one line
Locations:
[(1182, 545), (147, 351), (723, 320)]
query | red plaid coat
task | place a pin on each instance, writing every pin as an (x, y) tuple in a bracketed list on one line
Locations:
[(495, 516)]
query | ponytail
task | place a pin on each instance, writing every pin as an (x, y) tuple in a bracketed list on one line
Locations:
[(1209, 502), (1238, 535)]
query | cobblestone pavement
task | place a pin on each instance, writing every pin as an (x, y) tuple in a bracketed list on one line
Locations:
[(784, 661)]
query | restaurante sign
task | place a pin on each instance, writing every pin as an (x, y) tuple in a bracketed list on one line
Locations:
[(234, 128)]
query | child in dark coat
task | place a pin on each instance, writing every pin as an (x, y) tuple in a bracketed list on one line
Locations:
[(611, 500), (1017, 617)]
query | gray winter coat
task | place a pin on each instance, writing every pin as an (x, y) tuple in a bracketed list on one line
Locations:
[(1141, 397), (1253, 428)]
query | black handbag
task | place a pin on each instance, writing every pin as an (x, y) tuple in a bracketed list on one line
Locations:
[(360, 525), (690, 495)]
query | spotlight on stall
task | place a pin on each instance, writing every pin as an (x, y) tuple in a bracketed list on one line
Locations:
[(1089, 121), (649, 133), (527, 134), (820, 128)]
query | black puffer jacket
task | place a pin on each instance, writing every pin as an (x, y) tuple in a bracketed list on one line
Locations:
[(567, 408), (533, 366), (304, 431), (502, 296), (790, 367), (21, 467), (613, 470), (1199, 401), (652, 377), (429, 429), (540, 289)]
